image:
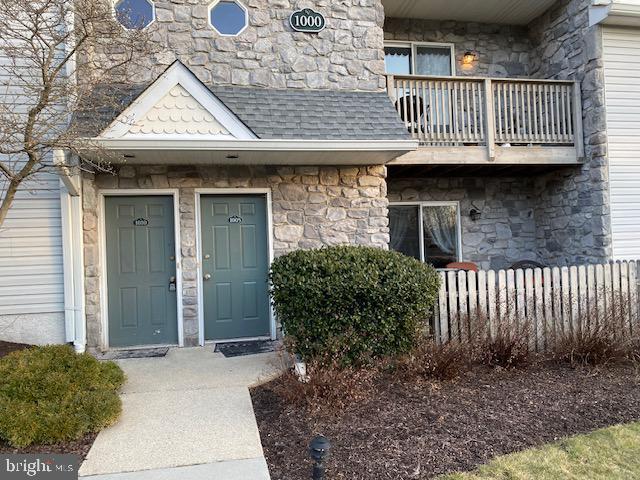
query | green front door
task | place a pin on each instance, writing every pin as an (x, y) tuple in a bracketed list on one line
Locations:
[(141, 271), (235, 266)]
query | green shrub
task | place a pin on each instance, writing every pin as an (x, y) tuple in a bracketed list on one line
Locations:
[(352, 303), (51, 394)]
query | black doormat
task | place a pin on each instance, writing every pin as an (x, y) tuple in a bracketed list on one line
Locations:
[(239, 349), (134, 353)]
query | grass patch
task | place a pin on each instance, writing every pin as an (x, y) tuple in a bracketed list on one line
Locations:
[(612, 453), (50, 395)]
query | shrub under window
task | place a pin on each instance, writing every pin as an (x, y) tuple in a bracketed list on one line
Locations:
[(355, 303), (50, 394)]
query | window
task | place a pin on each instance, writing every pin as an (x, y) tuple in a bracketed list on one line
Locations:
[(228, 18), (419, 59), (429, 232), (135, 14)]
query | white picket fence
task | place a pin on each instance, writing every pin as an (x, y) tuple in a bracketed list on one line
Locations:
[(547, 301)]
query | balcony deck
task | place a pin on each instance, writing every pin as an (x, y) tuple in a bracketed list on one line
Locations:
[(483, 121)]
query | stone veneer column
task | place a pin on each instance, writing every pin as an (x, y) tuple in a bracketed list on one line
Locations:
[(572, 212), (311, 207)]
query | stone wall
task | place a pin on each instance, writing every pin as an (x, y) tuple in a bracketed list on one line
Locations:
[(502, 50), (311, 207), (506, 231), (348, 54), (573, 207)]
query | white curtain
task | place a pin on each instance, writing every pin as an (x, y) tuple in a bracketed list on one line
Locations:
[(440, 223), (433, 61)]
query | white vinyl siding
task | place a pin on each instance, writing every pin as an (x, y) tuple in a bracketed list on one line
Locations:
[(622, 79), (31, 251)]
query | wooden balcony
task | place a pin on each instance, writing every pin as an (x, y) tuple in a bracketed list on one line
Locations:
[(481, 121)]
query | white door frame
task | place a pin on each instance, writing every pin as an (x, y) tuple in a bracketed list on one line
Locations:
[(144, 192), (199, 192)]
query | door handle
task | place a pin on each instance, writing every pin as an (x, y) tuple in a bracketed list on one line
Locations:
[(172, 284), (207, 276)]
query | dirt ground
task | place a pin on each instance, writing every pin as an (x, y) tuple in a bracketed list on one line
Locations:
[(418, 431), (6, 347)]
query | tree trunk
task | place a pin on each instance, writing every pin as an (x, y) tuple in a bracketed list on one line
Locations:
[(7, 201)]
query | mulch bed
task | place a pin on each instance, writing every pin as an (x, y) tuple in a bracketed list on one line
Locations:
[(6, 347), (418, 431), (79, 447)]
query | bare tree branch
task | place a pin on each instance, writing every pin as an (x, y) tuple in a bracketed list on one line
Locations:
[(50, 71)]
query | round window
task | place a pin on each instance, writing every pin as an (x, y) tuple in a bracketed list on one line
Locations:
[(135, 14), (228, 17)]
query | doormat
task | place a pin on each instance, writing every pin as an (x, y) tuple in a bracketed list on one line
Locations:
[(239, 349), (134, 353)]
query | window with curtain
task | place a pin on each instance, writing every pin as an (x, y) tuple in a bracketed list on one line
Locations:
[(428, 232), (418, 59)]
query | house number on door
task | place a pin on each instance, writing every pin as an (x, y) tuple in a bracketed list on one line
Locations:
[(235, 219)]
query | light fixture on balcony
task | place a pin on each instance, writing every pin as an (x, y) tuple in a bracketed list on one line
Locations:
[(468, 58)]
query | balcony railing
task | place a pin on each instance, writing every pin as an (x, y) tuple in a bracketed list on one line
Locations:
[(471, 111)]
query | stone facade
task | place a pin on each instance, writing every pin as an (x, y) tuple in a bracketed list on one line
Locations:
[(501, 50), (573, 207), (347, 54), (506, 230), (311, 207)]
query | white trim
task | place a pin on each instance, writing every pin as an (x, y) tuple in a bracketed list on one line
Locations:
[(428, 203), (199, 192), (614, 12), (176, 74), (135, 192), (414, 45), (246, 17), (153, 12), (274, 145)]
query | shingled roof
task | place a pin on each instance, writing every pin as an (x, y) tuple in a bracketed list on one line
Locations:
[(277, 113), (314, 114)]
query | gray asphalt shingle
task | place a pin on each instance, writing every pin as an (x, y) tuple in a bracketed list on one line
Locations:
[(285, 114)]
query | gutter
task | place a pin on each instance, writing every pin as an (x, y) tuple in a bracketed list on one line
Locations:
[(614, 12), (72, 256), (266, 145)]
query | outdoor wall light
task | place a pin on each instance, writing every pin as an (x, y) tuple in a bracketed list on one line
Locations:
[(475, 214), (468, 58)]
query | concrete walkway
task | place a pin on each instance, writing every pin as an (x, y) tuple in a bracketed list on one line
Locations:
[(187, 415)]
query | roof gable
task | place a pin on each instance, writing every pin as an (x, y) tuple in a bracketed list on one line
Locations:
[(178, 105)]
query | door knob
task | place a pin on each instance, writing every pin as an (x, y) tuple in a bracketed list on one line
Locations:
[(207, 276)]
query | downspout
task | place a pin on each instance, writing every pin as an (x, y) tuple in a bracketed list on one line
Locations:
[(67, 263), (72, 255)]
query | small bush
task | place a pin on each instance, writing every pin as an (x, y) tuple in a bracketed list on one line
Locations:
[(508, 347), (51, 394), (593, 345), (330, 388), (357, 303), (439, 361)]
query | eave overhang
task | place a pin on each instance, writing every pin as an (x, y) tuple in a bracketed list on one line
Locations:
[(248, 152), (622, 13)]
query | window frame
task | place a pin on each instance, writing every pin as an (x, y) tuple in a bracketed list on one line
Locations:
[(414, 47), (237, 2), (154, 17), (429, 203)]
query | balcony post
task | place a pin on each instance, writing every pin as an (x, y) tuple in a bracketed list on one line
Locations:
[(578, 129), (491, 119), (391, 88)]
